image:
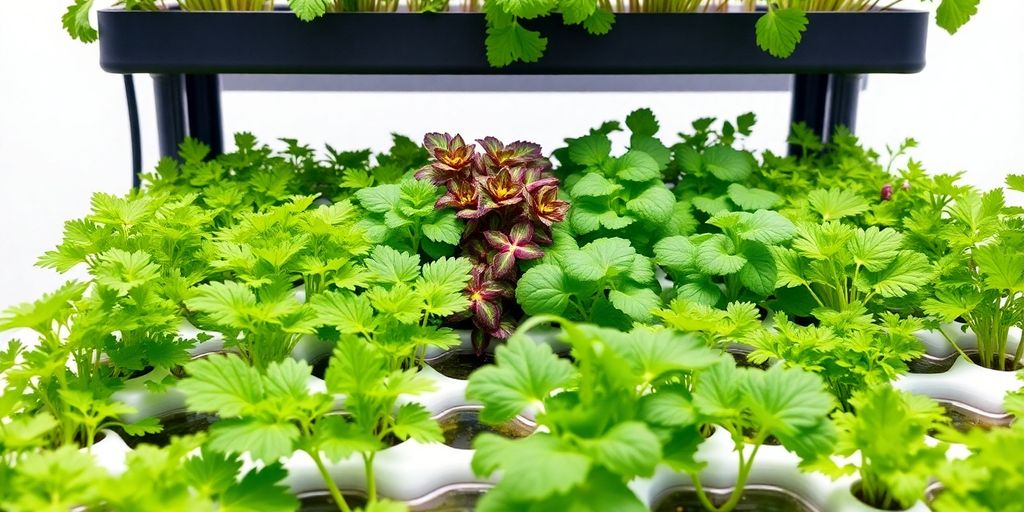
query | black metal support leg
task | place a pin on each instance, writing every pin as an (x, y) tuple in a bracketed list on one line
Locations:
[(844, 92), (133, 128), (203, 106), (809, 106), (169, 96)]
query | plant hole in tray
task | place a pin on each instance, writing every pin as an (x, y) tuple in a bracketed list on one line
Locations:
[(754, 499), (932, 364), (748, 435), (964, 419), (1008, 364), (459, 364), (858, 493), (460, 426), (176, 424), (456, 499)]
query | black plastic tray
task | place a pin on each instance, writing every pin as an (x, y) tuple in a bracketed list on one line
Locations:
[(453, 43)]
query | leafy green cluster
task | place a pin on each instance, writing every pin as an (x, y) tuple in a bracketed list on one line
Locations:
[(607, 418), (718, 327), (735, 264), (255, 176), (272, 413), (989, 479), (845, 268), (63, 479), (633, 400), (889, 431), (321, 247), (604, 282), (621, 196), (850, 351), (981, 275), (402, 215), (401, 307)]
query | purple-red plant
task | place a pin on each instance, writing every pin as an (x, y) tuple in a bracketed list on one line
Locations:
[(509, 199)]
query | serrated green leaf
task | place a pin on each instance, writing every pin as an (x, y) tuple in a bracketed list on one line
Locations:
[(444, 229), (752, 198), (527, 9), (759, 274), (779, 30), (594, 185), (1002, 266), (953, 14), (413, 421), (874, 248), (543, 289), (717, 256), (534, 467), (525, 374), (390, 266), (575, 12), (76, 21), (835, 204), (642, 122), (346, 312), (1015, 182), (308, 10), (265, 441), (225, 385), (637, 166), (510, 43), (260, 490), (590, 150), (676, 253), (766, 226), (726, 163), (599, 22), (654, 205), (628, 449), (637, 303)]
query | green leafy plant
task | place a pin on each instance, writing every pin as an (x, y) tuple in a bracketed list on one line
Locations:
[(787, 403), (255, 176), (981, 281), (403, 216), (144, 248), (510, 201), (708, 171), (987, 480), (50, 480), (888, 429), (851, 352), (187, 476), (718, 327), (604, 282), (262, 323), (739, 258), (60, 389), (621, 196), (400, 310), (606, 420), (842, 267), (321, 247), (271, 413), (780, 28)]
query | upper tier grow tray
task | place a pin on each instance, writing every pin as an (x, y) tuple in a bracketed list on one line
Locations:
[(452, 43)]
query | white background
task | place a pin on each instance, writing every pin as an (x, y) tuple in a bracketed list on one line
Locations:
[(64, 134)]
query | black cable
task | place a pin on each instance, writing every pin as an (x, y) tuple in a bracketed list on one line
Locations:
[(133, 126)]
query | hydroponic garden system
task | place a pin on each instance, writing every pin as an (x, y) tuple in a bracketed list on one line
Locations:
[(462, 323)]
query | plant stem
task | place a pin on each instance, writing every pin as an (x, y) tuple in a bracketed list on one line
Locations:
[(371, 482), (331, 486)]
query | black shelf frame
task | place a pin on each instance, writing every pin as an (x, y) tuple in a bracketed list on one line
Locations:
[(185, 52)]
